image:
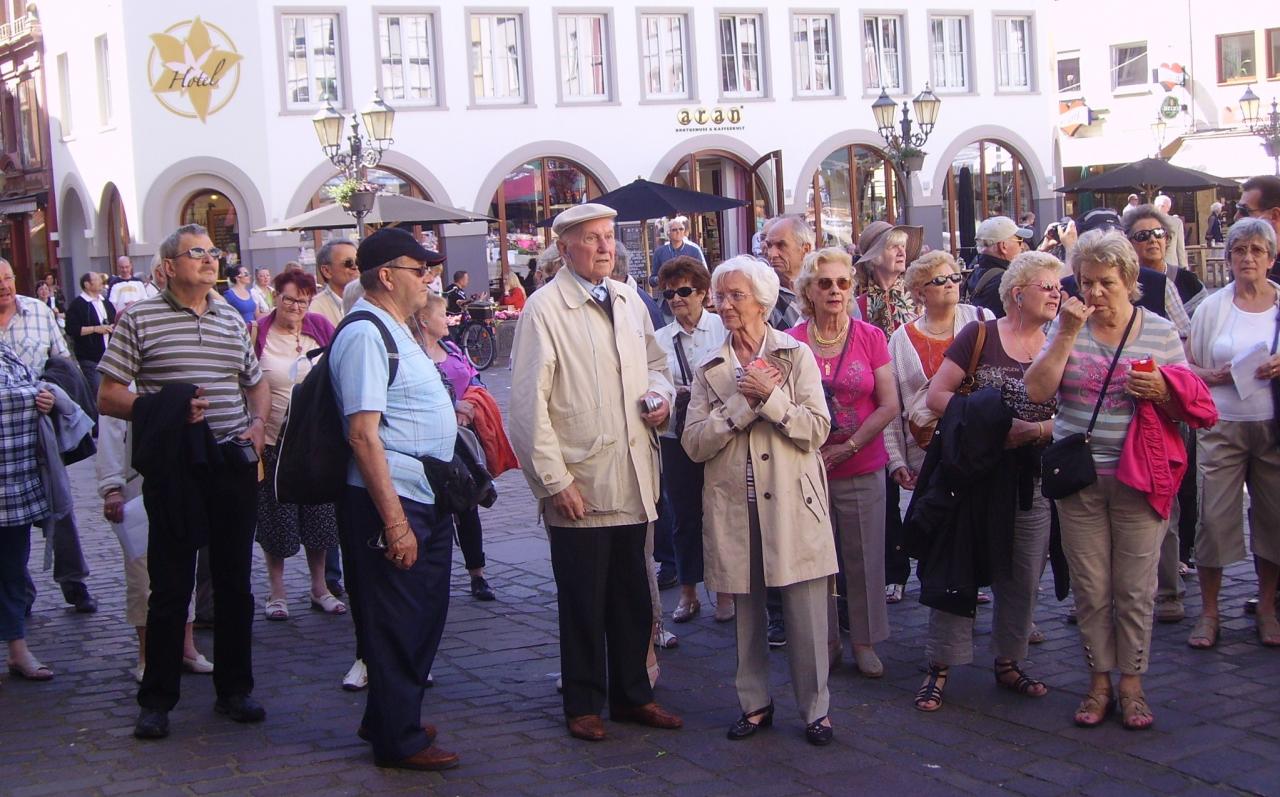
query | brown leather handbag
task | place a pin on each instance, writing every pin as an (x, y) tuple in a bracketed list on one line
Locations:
[(921, 421)]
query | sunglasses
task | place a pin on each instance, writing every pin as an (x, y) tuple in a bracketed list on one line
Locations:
[(843, 283), (419, 271), (349, 263), (1146, 235), (683, 293), (199, 252), (1047, 287), (943, 279)]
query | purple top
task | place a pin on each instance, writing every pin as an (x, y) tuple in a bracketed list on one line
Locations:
[(314, 325), (457, 369)]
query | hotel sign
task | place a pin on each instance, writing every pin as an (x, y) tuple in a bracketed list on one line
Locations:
[(194, 68)]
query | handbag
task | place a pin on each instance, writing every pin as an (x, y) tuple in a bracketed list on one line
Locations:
[(922, 421), (1066, 466), (682, 397)]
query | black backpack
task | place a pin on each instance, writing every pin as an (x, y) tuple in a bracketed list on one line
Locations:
[(313, 449)]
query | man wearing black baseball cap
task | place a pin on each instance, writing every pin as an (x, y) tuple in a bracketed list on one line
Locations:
[(397, 546)]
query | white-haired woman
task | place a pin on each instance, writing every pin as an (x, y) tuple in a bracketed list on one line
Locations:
[(916, 350), (1110, 533), (757, 418), (1241, 449), (1213, 237), (1030, 294), (853, 358), (677, 244)]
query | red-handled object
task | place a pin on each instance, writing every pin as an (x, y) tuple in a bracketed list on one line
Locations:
[(1145, 365)]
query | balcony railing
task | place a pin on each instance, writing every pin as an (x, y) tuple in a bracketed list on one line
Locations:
[(18, 28)]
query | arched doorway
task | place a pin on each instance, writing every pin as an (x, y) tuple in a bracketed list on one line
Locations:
[(724, 233), (854, 186), (389, 181), (73, 248), (986, 178), (215, 212), (535, 190)]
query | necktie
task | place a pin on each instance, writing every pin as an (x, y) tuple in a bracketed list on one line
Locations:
[(601, 293)]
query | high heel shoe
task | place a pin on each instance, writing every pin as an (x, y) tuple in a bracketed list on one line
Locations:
[(744, 727)]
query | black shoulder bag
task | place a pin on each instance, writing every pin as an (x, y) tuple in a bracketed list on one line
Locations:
[(1067, 464), (828, 388), (682, 397)]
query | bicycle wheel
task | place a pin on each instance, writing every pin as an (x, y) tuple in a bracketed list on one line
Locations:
[(479, 344)]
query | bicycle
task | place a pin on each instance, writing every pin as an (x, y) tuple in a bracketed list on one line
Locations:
[(476, 336)]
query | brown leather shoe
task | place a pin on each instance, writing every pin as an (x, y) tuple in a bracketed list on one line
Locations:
[(589, 727), (428, 759), (428, 729), (650, 714)]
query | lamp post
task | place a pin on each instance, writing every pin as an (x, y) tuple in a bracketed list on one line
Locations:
[(1268, 128), (1158, 129), (363, 151), (902, 142)]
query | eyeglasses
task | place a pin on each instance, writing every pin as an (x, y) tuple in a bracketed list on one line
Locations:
[(1047, 287), (825, 283), (292, 302), (350, 264), (421, 271), (943, 279), (199, 253), (683, 293), (675, 229), (1243, 251), (1244, 210), (736, 297), (1146, 235)]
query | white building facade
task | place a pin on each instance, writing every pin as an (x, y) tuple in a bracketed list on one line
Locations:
[(168, 112)]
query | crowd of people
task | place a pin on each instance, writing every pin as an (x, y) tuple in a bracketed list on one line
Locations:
[(791, 429)]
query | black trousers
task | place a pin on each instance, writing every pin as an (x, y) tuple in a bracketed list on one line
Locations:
[(230, 499), (602, 590), (683, 480), (399, 616), (471, 538), (897, 565)]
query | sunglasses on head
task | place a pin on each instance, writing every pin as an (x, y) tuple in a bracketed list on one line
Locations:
[(1146, 235), (943, 279), (684, 293), (843, 283)]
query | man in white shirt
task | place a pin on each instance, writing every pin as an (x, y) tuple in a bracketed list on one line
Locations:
[(336, 265), (124, 288)]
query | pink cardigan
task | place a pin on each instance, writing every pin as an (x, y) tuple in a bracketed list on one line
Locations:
[(1153, 459)]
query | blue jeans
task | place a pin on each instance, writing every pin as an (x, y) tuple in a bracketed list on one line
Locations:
[(15, 547)]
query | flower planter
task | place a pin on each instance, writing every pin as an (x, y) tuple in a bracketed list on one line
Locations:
[(361, 202), (913, 163)]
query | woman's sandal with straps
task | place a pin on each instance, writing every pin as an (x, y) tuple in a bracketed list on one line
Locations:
[(744, 727), (1098, 705), (929, 695), (1022, 684), (1135, 714)]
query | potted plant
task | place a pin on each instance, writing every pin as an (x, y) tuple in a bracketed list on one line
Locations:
[(912, 159), (354, 195)]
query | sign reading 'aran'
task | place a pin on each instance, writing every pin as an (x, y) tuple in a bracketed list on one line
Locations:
[(194, 68), (705, 118)]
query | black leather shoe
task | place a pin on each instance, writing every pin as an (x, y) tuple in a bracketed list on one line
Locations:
[(241, 708), (818, 734), (667, 577), (744, 727), (78, 596), (777, 631), (152, 724), (480, 589)]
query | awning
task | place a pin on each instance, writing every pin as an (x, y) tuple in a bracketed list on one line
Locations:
[(22, 204), (1236, 155)]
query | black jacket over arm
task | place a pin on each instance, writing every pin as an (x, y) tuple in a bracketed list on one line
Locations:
[(174, 458), (80, 314)]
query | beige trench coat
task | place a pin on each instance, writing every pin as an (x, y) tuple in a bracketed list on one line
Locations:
[(782, 437), (576, 385)]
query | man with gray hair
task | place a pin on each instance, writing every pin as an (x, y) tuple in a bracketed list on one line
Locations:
[(678, 244), (787, 239), (998, 243), (198, 423), (1177, 254), (125, 288), (336, 265)]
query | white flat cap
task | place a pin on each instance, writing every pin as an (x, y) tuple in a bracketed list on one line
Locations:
[(577, 214), (996, 229)]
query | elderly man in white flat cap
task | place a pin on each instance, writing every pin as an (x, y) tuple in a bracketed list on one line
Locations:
[(592, 386)]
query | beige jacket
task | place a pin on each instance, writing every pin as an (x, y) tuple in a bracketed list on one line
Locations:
[(782, 437), (576, 385)]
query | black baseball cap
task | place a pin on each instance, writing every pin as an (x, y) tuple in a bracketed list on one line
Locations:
[(1099, 219), (387, 244)]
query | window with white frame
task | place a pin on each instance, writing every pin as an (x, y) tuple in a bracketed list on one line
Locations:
[(497, 59), (813, 49), (882, 52), (311, 60), (949, 52), (741, 65), (583, 52), (1013, 53), (1128, 65), (407, 58), (665, 55), (64, 95), (102, 58)]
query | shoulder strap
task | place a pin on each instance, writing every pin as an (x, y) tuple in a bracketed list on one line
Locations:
[(985, 279), (1275, 338), (1102, 394), (686, 373), (840, 362), (393, 352), (977, 351)]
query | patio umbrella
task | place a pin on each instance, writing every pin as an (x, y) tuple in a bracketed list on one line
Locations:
[(642, 200), (387, 209), (1149, 176), (965, 215)]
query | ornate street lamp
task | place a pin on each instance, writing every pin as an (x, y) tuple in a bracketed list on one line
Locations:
[(903, 139), (1268, 128), (362, 152)]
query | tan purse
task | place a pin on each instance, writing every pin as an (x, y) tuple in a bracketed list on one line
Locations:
[(921, 421)]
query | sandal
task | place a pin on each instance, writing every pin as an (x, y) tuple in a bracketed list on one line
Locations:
[(1022, 684), (327, 603), (31, 671), (929, 695), (686, 611), (1268, 630), (1135, 713), (893, 593), (276, 609), (1205, 633), (1098, 704)]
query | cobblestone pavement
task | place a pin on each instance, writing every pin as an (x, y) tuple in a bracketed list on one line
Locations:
[(1217, 730)]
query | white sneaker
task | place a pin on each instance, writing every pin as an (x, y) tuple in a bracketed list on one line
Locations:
[(357, 677), (137, 672)]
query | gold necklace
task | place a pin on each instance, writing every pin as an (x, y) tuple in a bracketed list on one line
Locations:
[(821, 341)]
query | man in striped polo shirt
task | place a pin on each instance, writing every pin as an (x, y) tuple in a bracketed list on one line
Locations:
[(179, 339)]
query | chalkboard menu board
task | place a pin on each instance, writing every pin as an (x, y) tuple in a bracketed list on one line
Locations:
[(631, 234)]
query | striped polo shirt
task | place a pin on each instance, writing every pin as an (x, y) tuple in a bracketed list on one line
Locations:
[(159, 342), (1087, 369)]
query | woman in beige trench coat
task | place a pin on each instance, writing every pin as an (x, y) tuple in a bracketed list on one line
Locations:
[(757, 417)]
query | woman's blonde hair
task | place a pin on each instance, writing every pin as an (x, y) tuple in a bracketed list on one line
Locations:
[(918, 273), (1021, 269), (434, 300), (1112, 249), (809, 272)]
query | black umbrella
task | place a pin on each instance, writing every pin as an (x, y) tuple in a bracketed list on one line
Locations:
[(1149, 176), (642, 200), (965, 214)]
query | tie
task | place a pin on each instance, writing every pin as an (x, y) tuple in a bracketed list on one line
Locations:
[(601, 293)]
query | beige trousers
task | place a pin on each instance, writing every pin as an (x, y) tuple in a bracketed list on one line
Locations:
[(1233, 454), (1111, 537), (858, 515)]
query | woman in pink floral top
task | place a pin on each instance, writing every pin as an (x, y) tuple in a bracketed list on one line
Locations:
[(853, 359)]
